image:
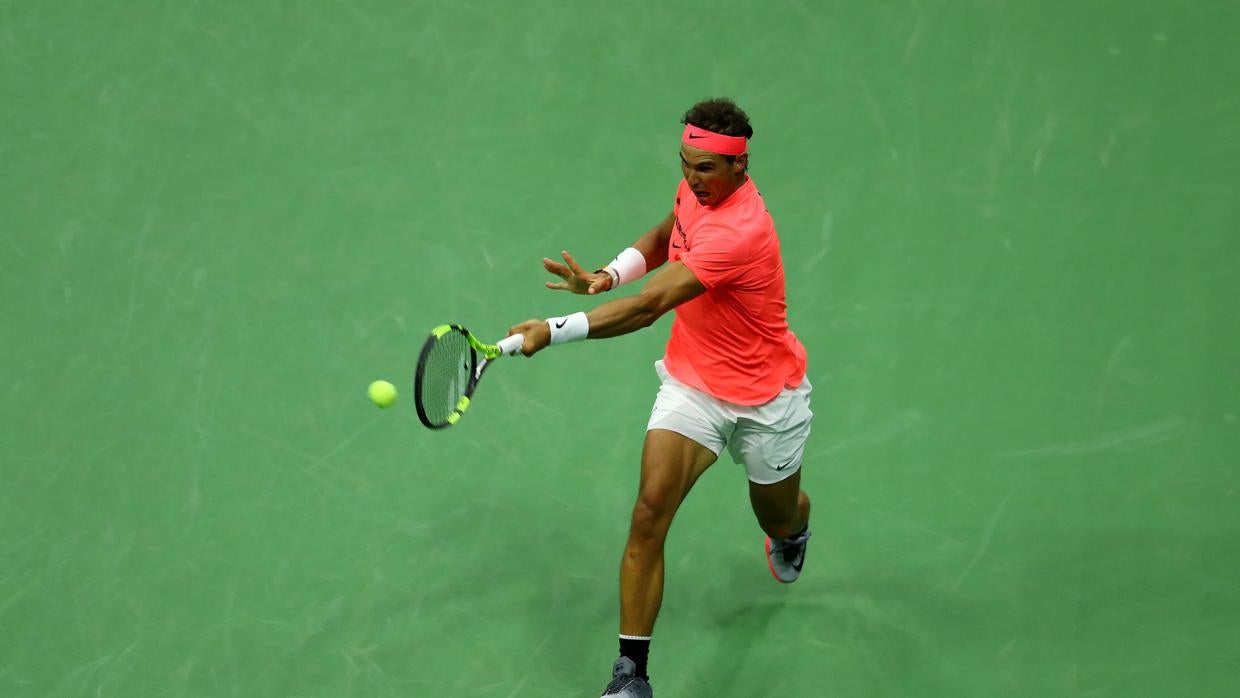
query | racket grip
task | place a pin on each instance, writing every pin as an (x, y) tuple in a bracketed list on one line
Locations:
[(511, 346)]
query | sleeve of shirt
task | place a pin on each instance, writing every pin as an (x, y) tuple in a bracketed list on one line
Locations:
[(718, 257)]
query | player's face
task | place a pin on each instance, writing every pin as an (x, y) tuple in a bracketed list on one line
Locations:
[(711, 177)]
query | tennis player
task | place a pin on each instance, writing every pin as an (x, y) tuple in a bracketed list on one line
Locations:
[(733, 374)]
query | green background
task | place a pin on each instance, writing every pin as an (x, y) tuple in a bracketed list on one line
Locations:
[(1010, 232)]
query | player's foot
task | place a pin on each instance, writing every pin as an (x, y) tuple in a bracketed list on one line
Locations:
[(625, 683), (786, 555)]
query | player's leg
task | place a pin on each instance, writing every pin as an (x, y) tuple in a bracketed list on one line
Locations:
[(684, 436), (671, 463), (782, 508), (770, 441)]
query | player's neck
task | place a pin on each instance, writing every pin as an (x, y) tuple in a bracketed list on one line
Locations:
[(728, 197)]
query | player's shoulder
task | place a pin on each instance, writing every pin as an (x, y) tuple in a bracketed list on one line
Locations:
[(682, 191)]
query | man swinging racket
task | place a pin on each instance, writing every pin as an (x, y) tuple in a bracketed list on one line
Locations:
[(733, 375)]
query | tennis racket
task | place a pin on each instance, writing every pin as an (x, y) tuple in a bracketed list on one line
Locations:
[(449, 368)]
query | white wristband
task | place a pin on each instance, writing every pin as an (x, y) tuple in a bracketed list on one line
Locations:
[(629, 265), (569, 328), (615, 278)]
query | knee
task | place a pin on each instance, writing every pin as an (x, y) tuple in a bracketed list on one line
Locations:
[(651, 519)]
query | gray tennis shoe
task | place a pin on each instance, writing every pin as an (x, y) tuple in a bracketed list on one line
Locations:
[(625, 683), (785, 556)]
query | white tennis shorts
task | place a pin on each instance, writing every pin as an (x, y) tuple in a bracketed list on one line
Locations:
[(769, 439)]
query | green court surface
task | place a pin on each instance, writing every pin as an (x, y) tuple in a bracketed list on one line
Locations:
[(1011, 235)]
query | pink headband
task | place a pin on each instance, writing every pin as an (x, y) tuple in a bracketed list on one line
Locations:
[(714, 142)]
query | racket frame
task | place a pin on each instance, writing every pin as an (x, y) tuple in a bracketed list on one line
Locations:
[(480, 357)]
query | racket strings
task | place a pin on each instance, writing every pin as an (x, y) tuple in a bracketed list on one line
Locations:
[(449, 369)]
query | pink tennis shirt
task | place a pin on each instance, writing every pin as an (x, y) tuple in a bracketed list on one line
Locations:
[(733, 341)]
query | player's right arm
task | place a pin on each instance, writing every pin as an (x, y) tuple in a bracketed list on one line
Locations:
[(652, 245), (669, 287)]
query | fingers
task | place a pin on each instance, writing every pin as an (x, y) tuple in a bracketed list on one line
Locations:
[(575, 278), (537, 336), (556, 268), (572, 263), (522, 327)]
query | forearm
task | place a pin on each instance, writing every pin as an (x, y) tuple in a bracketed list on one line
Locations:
[(653, 243), (667, 288), (622, 316)]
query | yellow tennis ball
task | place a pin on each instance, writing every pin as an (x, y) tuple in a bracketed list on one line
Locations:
[(382, 393)]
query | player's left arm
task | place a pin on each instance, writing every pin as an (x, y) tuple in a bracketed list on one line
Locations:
[(672, 285)]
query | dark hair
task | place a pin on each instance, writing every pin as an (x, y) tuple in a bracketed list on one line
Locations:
[(720, 115)]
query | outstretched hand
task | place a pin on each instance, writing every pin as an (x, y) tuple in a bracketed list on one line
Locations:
[(575, 278)]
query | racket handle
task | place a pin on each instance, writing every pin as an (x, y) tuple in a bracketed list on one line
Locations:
[(511, 346)]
